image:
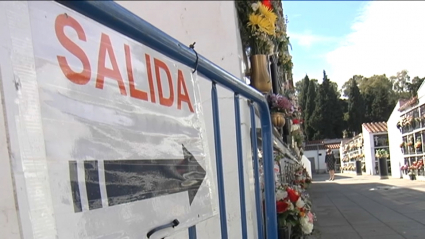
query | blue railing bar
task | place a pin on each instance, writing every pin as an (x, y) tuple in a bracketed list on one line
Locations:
[(192, 232), (219, 162), (258, 199), (241, 171), (125, 22), (269, 180)]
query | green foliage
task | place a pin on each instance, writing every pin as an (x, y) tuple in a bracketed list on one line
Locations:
[(414, 86), (369, 99), (302, 97), (346, 86), (327, 116), (379, 98), (400, 81), (309, 109), (298, 87), (355, 107)]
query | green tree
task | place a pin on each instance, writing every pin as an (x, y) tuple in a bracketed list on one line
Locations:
[(414, 86), (400, 81), (345, 89), (302, 96), (355, 107), (327, 116), (298, 87), (309, 109), (379, 97), (379, 110), (344, 109)]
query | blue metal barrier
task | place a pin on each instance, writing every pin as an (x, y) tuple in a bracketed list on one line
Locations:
[(123, 21), (258, 204)]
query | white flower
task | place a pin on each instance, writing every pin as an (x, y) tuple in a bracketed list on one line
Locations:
[(291, 205), (255, 6), (280, 195), (300, 203), (306, 226)]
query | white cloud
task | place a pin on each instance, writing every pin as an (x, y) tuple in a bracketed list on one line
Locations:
[(387, 37), (307, 39)]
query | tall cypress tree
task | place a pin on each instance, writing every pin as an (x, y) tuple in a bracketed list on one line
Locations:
[(380, 111), (302, 98), (327, 116), (309, 109), (355, 107), (318, 119)]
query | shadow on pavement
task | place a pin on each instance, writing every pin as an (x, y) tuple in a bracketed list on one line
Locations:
[(324, 177), (351, 207)]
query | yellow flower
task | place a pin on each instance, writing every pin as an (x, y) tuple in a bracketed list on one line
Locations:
[(267, 13), (263, 24)]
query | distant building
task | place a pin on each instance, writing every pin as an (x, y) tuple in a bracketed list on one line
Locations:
[(375, 138), (406, 133)]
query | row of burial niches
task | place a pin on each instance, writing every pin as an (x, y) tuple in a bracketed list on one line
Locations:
[(412, 127)]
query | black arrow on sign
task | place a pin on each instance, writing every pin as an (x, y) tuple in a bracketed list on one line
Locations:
[(133, 180)]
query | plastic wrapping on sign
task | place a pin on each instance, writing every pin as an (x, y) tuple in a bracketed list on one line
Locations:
[(121, 145)]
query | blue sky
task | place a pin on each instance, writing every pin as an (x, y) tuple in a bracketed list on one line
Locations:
[(316, 28), (356, 37)]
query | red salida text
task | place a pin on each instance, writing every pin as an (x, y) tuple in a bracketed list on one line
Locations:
[(105, 73)]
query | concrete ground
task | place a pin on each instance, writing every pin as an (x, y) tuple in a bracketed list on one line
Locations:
[(366, 207)]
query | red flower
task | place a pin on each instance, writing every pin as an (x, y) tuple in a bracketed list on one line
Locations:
[(268, 4), (281, 206), (292, 194)]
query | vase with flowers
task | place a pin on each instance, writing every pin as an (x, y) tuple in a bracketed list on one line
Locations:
[(257, 25), (279, 106), (418, 144)]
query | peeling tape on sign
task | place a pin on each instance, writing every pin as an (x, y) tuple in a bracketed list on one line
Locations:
[(123, 131)]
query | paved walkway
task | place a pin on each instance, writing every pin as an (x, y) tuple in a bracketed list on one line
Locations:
[(353, 207)]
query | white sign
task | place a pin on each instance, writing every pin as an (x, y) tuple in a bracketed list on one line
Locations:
[(122, 128)]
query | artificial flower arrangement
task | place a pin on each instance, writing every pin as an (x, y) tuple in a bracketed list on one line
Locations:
[(294, 211), (302, 179), (279, 103), (420, 164), (293, 205), (416, 165), (257, 23), (382, 153), (418, 143), (404, 168)]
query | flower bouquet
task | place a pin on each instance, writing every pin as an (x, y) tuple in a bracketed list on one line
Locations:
[(279, 103), (294, 211), (420, 167), (382, 153), (404, 168), (257, 24), (418, 144), (412, 170)]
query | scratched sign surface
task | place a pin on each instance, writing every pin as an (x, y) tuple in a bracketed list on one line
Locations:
[(123, 130)]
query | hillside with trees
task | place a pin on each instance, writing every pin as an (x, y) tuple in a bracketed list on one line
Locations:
[(327, 114)]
